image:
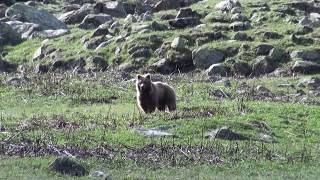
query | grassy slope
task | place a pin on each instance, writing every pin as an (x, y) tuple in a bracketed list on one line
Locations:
[(48, 97), (24, 104)]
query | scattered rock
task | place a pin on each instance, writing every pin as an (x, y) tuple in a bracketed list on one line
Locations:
[(113, 8), (262, 89), (219, 94), (261, 125), (301, 39), (304, 30), (147, 16), (272, 35), (311, 82), (305, 67), (217, 69), (226, 134), (263, 49), (76, 16), (262, 65), (103, 29), (94, 42), (205, 57), (40, 52), (315, 19), (154, 133), (240, 26), (95, 63), (278, 54), (141, 53), (238, 18), (98, 174), (127, 67), (68, 166), (178, 60), (307, 54), (242, 36), (48, 34), (241, 68), (184, 22), (178, 43), (3, 9), (92, 21), (2, 128), (267, 138), (41, 68), (6, 66), (187, 12), (227, 5), (8, 35), (130, 19), (165, 5), (43, 18)]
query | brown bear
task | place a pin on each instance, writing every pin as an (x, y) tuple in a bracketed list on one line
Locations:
[(152, 95)]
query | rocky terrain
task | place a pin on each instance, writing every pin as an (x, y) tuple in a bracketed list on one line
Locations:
[(245, 73), (227, 38)]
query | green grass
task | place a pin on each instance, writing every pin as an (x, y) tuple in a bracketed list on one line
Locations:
[(42, 103)]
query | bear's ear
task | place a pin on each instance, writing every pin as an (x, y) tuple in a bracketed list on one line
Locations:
[(139, 77), (148, 76)]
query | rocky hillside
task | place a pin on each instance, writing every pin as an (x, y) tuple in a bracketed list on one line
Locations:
[(218, 37)]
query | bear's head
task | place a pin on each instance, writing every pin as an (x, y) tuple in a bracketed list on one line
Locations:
[(144, 83)]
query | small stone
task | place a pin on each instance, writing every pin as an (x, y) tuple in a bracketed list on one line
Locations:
[(225, 133), (68, 166), (178, 43)]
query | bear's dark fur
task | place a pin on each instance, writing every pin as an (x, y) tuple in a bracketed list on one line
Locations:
[(154, 95)]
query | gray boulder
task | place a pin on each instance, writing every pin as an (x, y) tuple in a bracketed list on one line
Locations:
[(301, 39), (311, 82), (166, 4), (239, 17), (242, 36), (315, 19), (41, 68), (94, 42), (96, 63), (6, 66), (217, 69), (8, 35), (30, 30), (68, 166), (307, 54), (187, 12), (23, 27), (205, 57), (240, 26), (92, 21), (178, 43), (178, 60), (3, 9), (225, 133), (306, 67), (130, 19), (30, 14), (278, 54), (241, 68), (227, 5), (76, 16), (263, 49), (184, 22), (49, 33), (113, 8), (263, 65)]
